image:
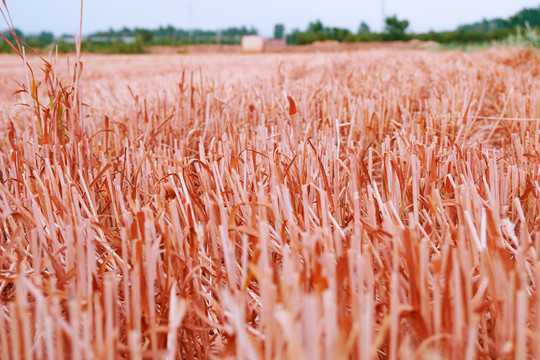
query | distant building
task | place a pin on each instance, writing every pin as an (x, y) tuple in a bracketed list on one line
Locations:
[(68, 39), (108, 39), (129, 39), (253, 44)]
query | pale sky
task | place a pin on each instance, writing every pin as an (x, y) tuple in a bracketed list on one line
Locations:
[(62, 16)]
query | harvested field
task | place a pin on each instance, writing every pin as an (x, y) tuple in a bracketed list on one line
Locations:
[(374, 204), (317, 47)]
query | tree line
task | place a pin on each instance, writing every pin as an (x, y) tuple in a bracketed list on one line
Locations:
[(136, 40), (396, 29), (127, 40)]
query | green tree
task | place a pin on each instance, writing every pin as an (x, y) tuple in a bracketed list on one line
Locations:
[(364, 28), (530, 16), (279, 31), (9, 35), (45, 38), (394, 28), (292, 38), (315, 27), (143, 36)]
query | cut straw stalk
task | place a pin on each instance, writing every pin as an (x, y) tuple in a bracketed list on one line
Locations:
[(208, 221)]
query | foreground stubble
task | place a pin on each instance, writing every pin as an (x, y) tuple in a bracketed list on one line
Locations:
[(179, 209)]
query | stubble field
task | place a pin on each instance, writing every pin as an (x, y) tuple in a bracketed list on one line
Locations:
[(374, 204)]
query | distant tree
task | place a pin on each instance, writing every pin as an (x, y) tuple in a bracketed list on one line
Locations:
[(9, 36), (126, 32), (394, 28), (292, 38), (143, 36), (45, 38), (526, 16), (279, 31), (364, 28), (315, 27), (529, 16), (339, 34)]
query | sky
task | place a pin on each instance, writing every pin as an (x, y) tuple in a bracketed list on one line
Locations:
[(62, 16)]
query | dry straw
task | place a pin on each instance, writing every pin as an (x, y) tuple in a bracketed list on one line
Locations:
[(385, 207)]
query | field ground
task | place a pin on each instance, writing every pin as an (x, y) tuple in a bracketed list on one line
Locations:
[(373, 203), (317, 47)]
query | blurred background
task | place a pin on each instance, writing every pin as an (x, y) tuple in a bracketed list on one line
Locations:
[(133, 25)]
